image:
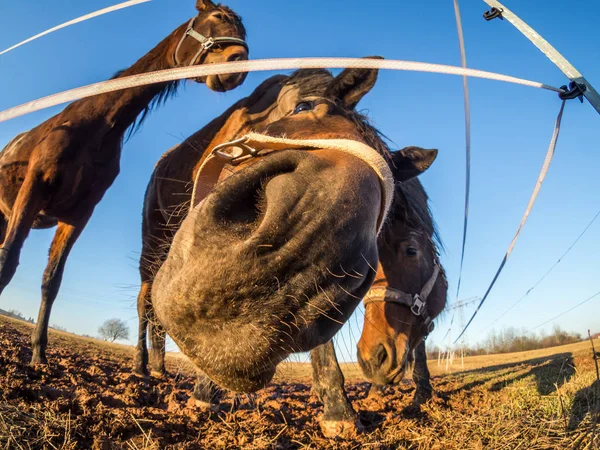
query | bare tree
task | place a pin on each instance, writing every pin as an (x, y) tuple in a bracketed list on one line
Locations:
[(114, 329)]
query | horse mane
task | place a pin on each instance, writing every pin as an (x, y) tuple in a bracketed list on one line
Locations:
[(169, 90), (411, 205)]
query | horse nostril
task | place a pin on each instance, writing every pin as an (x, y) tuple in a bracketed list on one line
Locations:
[(240, 204), (381, 355)]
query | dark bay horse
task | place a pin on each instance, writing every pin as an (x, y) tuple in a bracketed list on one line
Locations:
[(56, 173), (277, 256), (409, 291), (276, 98)]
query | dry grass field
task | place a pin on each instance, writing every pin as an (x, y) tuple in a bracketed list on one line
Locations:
[(89, 399)]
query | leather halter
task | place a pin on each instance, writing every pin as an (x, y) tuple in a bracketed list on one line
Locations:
[(416, 302), (210, 171), (205, 42), (255, 145)]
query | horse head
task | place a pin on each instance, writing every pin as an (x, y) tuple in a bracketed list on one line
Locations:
[(409, 290), (215, 35), (276, 255)]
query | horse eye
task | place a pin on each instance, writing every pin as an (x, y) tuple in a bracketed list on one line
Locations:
[(303, 106), (411, 251), (218, 16)]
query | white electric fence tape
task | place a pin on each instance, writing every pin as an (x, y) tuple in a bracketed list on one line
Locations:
[(253, 66), (98, 13), (536, 191), (553, 55)]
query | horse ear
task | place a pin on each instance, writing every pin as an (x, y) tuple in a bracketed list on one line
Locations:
[(411, 162), (201, 5), (352, 85)]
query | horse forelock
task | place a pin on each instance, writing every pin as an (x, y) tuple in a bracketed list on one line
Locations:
[(314, 83), (310, 82), (234, 18)]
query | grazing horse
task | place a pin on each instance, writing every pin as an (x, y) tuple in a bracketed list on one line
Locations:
[(276, 253), (409, 291), (56, 173)]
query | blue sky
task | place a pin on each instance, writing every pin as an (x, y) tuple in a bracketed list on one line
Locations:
[(512, 126)]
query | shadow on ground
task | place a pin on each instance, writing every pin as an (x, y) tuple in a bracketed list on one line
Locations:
[(587, 401), (550, 373)]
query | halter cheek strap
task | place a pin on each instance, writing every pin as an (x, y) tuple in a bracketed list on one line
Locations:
[(417, 302), (205, 42)]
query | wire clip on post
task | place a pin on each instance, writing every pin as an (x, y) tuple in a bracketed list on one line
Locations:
[(493, 13), (575, 90)]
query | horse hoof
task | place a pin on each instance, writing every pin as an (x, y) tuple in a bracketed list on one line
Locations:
[(160, 374), (140, 372), (38, 361), (201, 404), (140, 369), (375, 392), (422, 397), (343, 429)]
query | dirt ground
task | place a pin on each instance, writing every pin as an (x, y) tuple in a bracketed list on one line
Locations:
[(89, 399)]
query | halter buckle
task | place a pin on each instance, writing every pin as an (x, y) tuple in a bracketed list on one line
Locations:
[(208, 43), (418, 305)]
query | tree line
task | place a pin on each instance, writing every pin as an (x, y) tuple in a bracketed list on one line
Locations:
[(16, 315), (511, 339)]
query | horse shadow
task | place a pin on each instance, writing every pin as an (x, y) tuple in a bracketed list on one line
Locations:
[(587, 400), (550, 373)]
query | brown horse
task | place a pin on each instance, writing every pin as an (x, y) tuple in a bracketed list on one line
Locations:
[(409, 291), (57, 172), (275, 259)]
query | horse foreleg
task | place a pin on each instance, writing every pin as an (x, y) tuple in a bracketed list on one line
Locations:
[(158, 341), (206, 393), (64, 238), (2, 228), (421, 377), (154, 238), (28, 204), (143, 304), (339, 417), (376, 390)]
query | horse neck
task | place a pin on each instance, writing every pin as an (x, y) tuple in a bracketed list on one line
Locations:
[(121, 108)]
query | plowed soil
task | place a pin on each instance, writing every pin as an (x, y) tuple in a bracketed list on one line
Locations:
[(88, 398)]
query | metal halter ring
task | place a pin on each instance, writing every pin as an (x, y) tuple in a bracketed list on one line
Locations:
[(243, 150)]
